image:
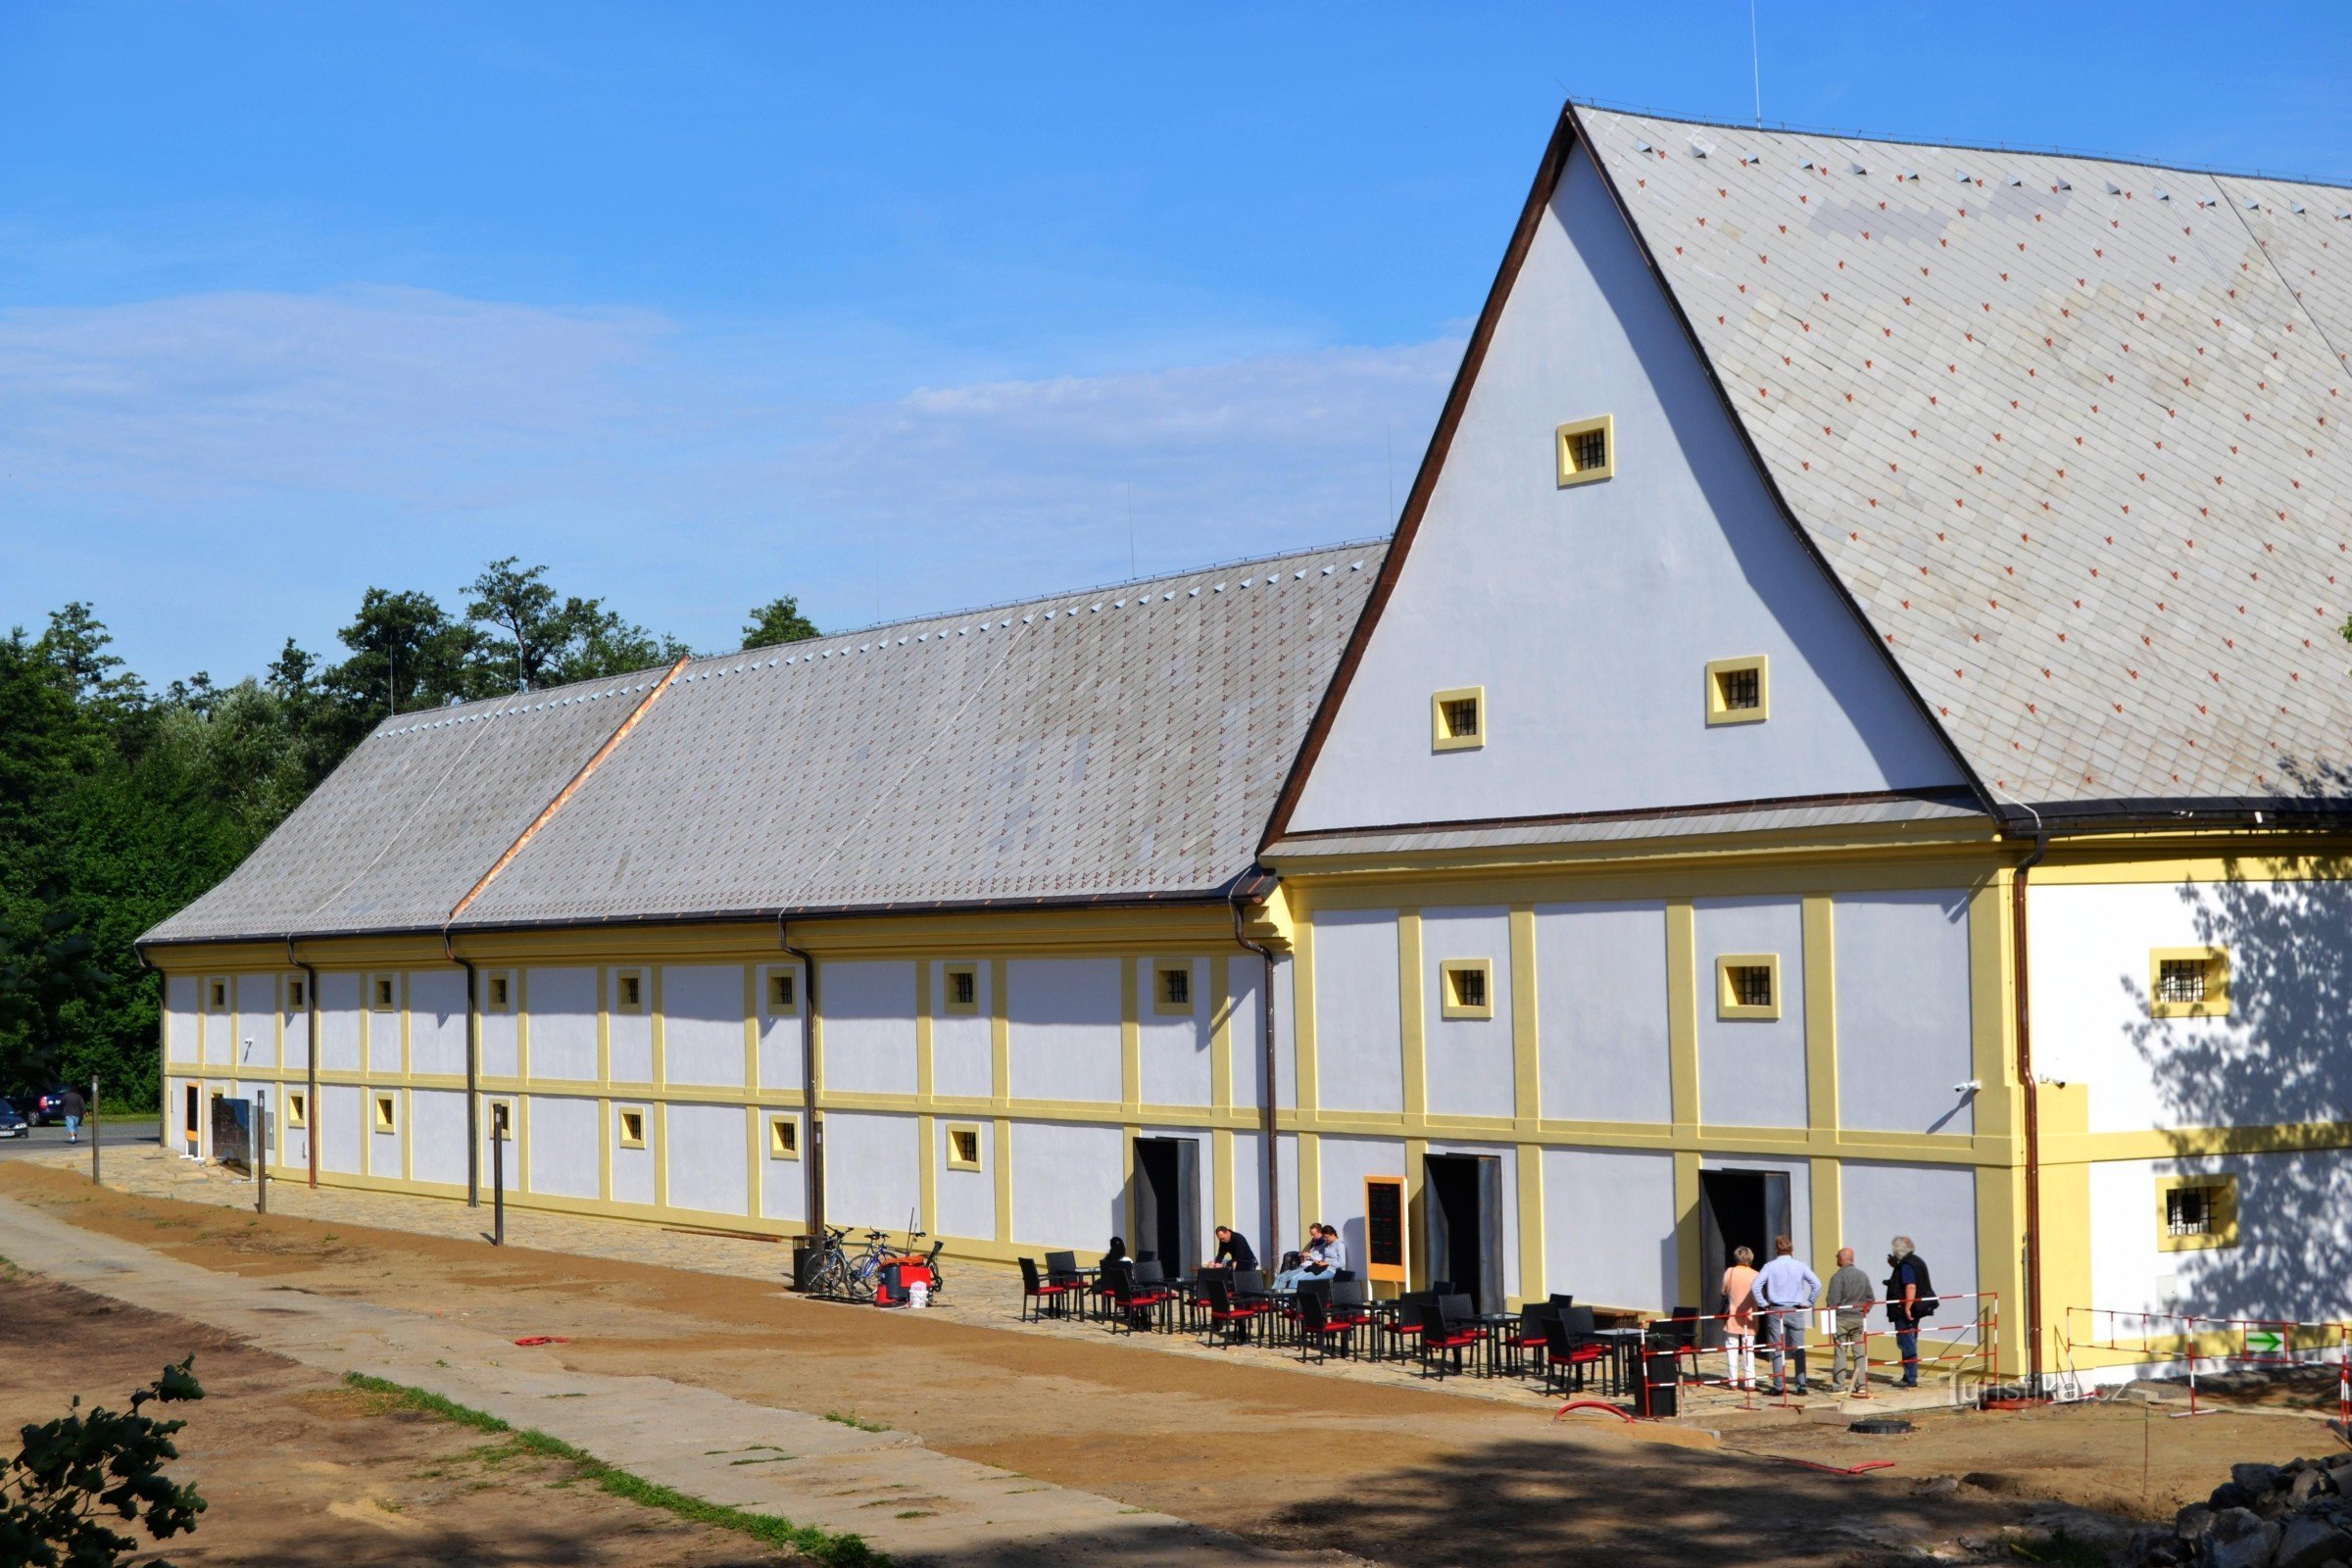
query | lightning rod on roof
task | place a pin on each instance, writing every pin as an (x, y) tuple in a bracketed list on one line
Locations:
[(1755, 56)]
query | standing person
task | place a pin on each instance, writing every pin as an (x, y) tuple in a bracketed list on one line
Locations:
[(71, 1108), (1740, 1319), (1910, 1302), (1785, 1292), (1233, 1251), (1849, 1294)]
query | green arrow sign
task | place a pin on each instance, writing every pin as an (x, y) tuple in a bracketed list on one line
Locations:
[(2263, 1342)]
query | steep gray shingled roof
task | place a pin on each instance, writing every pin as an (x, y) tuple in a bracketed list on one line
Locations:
[(1121, 744), (2071, 433)]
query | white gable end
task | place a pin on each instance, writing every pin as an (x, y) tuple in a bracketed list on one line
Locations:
[(1589, 613)]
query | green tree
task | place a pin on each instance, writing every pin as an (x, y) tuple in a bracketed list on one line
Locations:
[(533, 637), (780, 621)]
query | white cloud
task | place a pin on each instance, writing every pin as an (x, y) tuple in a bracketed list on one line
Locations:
[(301, 446)]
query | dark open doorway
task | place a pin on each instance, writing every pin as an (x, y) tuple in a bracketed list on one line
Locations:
[(1462, 1218), (1736, 1209), (1164, 1204)]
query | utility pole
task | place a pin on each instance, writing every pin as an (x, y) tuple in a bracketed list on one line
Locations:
[(257, 1148), (94, 1181)]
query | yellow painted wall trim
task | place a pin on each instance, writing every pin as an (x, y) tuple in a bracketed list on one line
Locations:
[(1681, 1015), (1821, 1010), (1527, 1067), (1412, 1027)]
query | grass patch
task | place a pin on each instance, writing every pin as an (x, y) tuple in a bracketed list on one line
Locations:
[(821, 1545), (852, 1419)]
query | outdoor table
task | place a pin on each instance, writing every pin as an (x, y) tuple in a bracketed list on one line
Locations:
[(1625, 1355), (1495, 1325)]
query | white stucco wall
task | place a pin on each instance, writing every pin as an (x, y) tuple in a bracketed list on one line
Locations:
[(257, 1020), (382, 1026), (1064, 1029), (2282, 1055), (437, 1134), (1068, 1183), (384, 1147), (702, 1024), (967, 1199), (633, 1168), (1244, 981), (963, 1044), (872, 1163), (867, 1015), (1935, 1205), (1589, 612), (1345, 1162), (1469, 1067), (182, 1026), (1175, 1047), (220, 1029), (1608, 1227), (502, 1026), (1903, 1015), (340, 1023), (342, 1126), (629, 1032), (437, 1021), (783, 1183), (1751, 1071), (1600, 1018), (2294, 1223), (567, 1132), (562, 1023), (1359, 1063), (294, 1026), (780, 1031), (708, 1148)]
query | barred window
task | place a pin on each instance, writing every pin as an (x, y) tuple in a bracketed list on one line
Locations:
[(1751, 985), (2180, 980), (2190, 1212)]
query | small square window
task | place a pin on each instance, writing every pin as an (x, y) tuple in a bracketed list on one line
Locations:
[(1588, 450), (1738, 691), (1172, 987), (1467, 988), (220, 994), (630, 990), (298, 1109), (1457, 718), (2195, 1212), (781, 991), (633, 1128), (962, 988), (1747, 985), (964, 1146), (502, 1121), (783, 1138), (298, 995), (380, 991), (387, 1114), (501, 991), (2188, 983)]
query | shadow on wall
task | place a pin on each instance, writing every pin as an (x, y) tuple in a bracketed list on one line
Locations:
[(2283, 1055)]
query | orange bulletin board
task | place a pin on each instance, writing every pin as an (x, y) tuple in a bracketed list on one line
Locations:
[(1384, 1229)]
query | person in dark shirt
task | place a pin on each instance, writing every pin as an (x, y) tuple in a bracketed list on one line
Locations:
[(1910, 1301), (1233, 1250), (1115, 1254)]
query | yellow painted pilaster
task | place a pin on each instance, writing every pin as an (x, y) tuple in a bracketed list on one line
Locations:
[(1418, 1272), (1130, 1041), (656, 1025), (1220, 1035), (522, 1026), (1682, 1017), (1310, 1194), (1413, 1042), (604, 1149), (1004, 1172), (1221, 1177), (658, 1145), (604, 1029), (1303, 1016), (1000, 1043), (926, 1127), (1693, 1291), (1526, 1041), (1530, 1223), (753, 1009), (1997, 1112), (755, 1160), (1820, 1012), (1826, 1207)]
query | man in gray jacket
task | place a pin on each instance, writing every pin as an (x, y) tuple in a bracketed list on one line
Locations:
[(1849, 1294)]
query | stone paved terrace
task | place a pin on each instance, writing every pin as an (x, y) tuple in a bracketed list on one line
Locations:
[(988, 1295)]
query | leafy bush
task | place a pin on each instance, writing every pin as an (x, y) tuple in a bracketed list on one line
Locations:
[(57, 1495)]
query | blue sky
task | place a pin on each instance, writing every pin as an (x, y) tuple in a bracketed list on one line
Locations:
[(895, 308)]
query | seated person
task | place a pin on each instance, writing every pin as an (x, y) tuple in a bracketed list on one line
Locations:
[(1116, 1253), (1326, 1254), (1233, 1251)]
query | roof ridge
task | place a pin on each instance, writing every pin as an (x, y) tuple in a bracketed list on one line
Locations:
[(2047, 150), (636, 681)]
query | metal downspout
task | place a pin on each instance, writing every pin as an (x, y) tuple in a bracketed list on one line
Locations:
[(813, 1156), (473, 1076), (311, 1119), (1266, 1095), (2025, 1072)]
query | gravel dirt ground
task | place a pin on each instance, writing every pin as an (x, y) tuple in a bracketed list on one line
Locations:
[(299, 1470), (1293, 1458)]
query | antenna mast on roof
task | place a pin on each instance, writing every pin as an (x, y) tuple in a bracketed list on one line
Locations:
[(1755, 57)]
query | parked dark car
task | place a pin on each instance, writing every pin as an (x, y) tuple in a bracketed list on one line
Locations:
[(13, 1124), (43, 1109)]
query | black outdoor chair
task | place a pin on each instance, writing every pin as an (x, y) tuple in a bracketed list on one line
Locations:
[(1570, 1349), (1039, 1296), (1226, 1315), (1683, 1330), (1318, 1326), (1450, 1330)]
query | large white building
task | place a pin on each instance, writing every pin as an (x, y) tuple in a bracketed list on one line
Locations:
[(1843, 741)]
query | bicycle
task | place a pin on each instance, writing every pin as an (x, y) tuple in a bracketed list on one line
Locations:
[(842, 1275)]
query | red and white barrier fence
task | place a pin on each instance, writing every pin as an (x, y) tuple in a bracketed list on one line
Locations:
[(2259, 1342)]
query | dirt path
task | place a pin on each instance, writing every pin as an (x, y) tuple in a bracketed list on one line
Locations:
[(298, 1470), (1291, 1459)]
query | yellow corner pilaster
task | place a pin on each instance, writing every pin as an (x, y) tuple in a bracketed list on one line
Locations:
[(1220, 1036), (656, 1023), (1682, 1020), (1003, 1171), (1303, 1019), (1530, 1223), (1413, 1042), (926, 1199), (1526, 1041), (1000, 1053), (1826, 1207), (1687, 1239), (1820, 1012), (1131, 1040), (1221, 1176)]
